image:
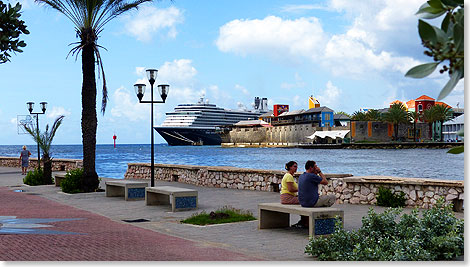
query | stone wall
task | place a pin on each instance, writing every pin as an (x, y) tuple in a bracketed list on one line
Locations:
[(57, 164), (379, 131), (421, 193)]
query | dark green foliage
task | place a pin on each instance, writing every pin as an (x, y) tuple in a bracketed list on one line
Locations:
[(386, 198), (234, 215), (436, 235), (72, 182), (34, 177), (10, 29)]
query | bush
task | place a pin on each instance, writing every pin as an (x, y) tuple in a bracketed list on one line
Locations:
[(386, 198), (34, 177), (72, 182), (437, 235), (225, 214)]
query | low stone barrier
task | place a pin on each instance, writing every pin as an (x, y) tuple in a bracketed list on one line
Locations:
[(57, 164), (421, 193)]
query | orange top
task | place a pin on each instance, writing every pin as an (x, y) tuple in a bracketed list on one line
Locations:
[(410, 104), (442, 103), (424, 97)]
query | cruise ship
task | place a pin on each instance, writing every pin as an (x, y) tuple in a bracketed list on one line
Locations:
[(198, 123)]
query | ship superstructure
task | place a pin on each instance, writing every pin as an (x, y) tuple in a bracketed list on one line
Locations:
[(197, 124)]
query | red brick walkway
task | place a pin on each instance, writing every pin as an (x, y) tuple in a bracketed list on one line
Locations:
[(101, 239)]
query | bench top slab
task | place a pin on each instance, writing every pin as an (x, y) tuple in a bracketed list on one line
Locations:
[(169, 189), (126, 182), (289, 208)]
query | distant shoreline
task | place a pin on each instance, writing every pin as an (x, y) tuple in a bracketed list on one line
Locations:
[(378, 145)]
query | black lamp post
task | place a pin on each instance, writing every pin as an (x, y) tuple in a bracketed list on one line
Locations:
[(140, 91), (30, 108)]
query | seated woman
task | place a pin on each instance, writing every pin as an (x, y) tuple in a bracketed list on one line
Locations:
[(289, 187)]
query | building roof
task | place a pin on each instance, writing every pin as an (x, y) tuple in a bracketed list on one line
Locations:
[(457, 120), (411, 103), (443, 104), (341, 117), (267, 114), (396, 101), (424, 97), (293, 112), (320, 109)]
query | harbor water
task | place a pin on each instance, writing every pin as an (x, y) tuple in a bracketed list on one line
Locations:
[(417, 163)]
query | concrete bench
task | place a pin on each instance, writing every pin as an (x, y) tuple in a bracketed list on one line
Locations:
[(178, 198), (277, 215), (58, 177), (130, 190)]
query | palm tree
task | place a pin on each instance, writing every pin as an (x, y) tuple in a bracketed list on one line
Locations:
[(373, 115), (430, 118), (44, 140), (441, 113), (396, 114), (89, 18), (359, 116)]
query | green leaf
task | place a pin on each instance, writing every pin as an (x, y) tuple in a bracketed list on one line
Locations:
[(441, 35), (454, 79), (460, 132), (458, 36), (426, 32), (445, 23), (456, 150), (422, 70), (450, 3), (436, 4), (429, 13)]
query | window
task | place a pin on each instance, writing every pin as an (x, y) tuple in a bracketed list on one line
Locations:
[(420, 108), (327, 116)]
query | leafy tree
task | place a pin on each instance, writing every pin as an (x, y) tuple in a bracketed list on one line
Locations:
[(11, 27), (89, 18), (359, 116), (444, 45), (44, 140), (395, 115), (373, 115)]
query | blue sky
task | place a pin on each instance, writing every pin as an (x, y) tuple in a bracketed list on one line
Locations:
[(348, 54)]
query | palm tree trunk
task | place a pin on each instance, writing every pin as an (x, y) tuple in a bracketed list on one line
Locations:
[(90, 180), (414, 131), (396, 131), (47, 174)]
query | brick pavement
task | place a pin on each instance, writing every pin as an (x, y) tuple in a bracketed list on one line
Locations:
[(99, 238)]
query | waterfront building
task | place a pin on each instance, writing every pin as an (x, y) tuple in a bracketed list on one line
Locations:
[(318, 117), (450, 129), (341, 120)]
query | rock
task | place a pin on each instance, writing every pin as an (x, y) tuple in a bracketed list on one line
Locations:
[(450, 197), (461, 195), (453, 191), (413, 195), (370, 196), (354, 200), (406, 190), (347, 196), (429, 194), (357, 187), (365, 191), (420, 194)]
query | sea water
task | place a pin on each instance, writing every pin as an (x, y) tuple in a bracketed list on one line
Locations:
[(418, 163)]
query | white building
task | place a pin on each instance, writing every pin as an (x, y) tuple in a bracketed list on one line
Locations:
[(450, 128)]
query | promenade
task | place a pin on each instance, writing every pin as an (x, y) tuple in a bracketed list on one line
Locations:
[(90, 227)]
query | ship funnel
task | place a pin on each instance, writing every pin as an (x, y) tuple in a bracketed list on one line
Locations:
[(257, 102), (264, 104)]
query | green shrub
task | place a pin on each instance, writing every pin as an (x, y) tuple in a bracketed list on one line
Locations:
[(72, 182), (436, 235), (225, 214), (34, 177), (386, 198)]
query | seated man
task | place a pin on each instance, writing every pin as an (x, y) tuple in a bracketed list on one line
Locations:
[(308, 187)]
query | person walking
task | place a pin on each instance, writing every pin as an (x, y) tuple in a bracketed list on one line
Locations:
[(24, 160), (308, 187)]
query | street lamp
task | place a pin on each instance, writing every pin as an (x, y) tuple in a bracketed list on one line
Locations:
[(30, 108), (163, 89)]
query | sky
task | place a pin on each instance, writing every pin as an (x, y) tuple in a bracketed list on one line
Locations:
[(348, 54)]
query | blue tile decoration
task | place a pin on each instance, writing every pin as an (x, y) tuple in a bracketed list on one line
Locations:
[(324, 226), (185, 202), (136, 192), (10, 225)]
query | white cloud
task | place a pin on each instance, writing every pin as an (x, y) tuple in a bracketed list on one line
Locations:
[(299, 83), (373, 43), (273, 37), (242, 89), (150, 20), (57, 111), (302, 8), (127, 106), (330, 96), (14, 121), (177, 72)]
